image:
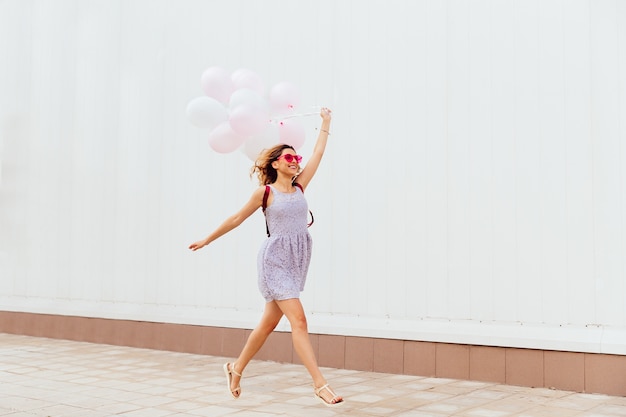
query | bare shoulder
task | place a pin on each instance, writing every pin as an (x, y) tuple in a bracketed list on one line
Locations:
[(258, 193)]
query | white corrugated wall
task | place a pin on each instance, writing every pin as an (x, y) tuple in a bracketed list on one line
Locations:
[(473, 189)]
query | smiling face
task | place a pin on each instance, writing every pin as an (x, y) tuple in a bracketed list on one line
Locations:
[(288, 162)]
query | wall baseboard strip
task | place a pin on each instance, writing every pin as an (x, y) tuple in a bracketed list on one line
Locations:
[(571, 371)]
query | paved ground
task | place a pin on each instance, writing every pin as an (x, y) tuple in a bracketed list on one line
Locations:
[(47, 377)]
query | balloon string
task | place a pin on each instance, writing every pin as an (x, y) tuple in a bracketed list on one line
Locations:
[(298, 115)]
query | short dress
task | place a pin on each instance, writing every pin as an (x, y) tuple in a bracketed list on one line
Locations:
[(283, 260)]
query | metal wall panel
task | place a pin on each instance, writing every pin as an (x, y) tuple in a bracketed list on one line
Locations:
[(472, 192)]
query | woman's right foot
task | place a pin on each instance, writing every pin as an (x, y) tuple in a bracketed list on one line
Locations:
[(327, 396)]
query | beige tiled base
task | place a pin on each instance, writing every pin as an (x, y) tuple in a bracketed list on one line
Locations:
[(571, 371), (51, 377)]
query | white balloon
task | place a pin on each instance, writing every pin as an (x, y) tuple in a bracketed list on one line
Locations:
[(245, 96), (206, 112), (254, 145)]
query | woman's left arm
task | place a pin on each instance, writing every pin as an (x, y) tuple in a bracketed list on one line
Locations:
[(318, 151)]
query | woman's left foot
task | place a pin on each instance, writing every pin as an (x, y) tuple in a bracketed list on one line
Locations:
[(327, 396), (229, 371)]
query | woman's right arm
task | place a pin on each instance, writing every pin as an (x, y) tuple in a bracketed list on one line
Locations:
[(256, 200)]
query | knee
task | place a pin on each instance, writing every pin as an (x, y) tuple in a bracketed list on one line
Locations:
[(268, 326), (298, 323)]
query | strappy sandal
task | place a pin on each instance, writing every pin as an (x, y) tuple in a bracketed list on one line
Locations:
[(229, 371), (326, 403)]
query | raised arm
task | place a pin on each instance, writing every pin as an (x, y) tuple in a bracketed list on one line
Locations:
[(318, 151), (256, 200)]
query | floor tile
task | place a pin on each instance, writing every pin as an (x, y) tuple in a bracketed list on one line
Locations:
[(46, 377)]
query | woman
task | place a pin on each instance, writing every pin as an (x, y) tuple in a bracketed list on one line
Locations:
[(284, 258)]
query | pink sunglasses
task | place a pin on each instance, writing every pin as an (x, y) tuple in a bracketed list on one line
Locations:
[(289, 158)]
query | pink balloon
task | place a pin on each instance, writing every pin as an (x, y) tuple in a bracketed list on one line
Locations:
[(291, 132), (284, 97), (245, 78), (216, 83), (248, 119), (224, 140)]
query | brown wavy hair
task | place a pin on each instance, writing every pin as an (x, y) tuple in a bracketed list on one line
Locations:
[(263, 165)]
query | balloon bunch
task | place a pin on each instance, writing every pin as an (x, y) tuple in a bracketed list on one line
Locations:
[(239, 115)]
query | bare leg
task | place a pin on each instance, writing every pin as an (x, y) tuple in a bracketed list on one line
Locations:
[(294, 312), (271, 316)]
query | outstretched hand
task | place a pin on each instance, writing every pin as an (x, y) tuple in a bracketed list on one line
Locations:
[(325, 112), (197, 245)]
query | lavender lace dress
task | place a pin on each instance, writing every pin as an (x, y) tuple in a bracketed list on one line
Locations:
[(284, 257)]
